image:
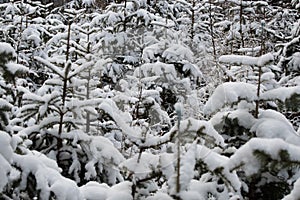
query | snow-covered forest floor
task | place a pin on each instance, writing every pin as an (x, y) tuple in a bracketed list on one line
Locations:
[(150, 100)]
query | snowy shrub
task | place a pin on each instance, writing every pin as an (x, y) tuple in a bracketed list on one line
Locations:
[(229, 94), (266, 163), (149, 100)]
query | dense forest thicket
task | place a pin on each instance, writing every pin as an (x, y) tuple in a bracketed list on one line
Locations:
[(150, 99)]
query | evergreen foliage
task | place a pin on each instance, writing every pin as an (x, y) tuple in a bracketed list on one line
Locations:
[(139, 99)]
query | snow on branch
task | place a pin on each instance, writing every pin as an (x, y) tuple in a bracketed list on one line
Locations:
[(4, 105), (104, 157), (178, 52), (150, 52), (110, 108), (282, 93), (156, 69), (51, 66), (243, 117), (230, 93), (289, 44), (48, 177), (198, 128), (145, 15), (272, 124), (247, 60), (95, 190), (190, 128), (6, 153), (7, 49), (213, 161), (142, 165), (246, 157)]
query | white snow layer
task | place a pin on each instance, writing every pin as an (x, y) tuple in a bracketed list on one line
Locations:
[(96, 191), (4, 104), (142, 164), (192, 127), (229, 93), (247, 60), (282, 93), (199, 190), (105, 155), (245, 119), (272, 124), (214, 161), (7, 49), (178, 52), (156, 69), (244, 157), (152, 50), (47, 176), (110, 107)]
